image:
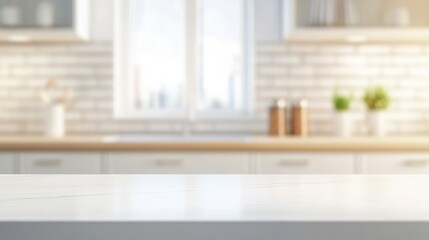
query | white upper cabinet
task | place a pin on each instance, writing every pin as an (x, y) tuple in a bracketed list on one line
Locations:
[(356, 20), (44, 20)]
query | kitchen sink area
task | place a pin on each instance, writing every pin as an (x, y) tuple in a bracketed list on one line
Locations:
[(176, 138)]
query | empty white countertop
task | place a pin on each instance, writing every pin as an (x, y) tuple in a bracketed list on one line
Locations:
[(214, 198)]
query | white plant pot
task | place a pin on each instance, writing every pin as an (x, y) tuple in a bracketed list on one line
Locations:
[(343, 124), (377, 125), (54, 121)]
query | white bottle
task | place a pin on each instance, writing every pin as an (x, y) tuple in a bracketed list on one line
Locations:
[(54, 120), (46, 14), (377, 125)]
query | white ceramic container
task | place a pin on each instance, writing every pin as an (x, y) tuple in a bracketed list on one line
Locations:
[(377, 125), (54, 120), (343, 124)]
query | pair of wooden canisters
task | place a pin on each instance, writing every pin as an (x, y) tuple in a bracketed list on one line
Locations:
[(280, 123)]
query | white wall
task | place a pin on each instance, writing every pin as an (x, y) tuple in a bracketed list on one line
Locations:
[(267, 20), (101, 20)]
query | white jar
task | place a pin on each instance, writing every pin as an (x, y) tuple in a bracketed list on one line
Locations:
[(54, 120), (46, 14), (377, 125), (11, 15), (343, 124)]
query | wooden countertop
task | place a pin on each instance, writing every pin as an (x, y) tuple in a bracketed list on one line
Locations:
[(214, 198), (94, 143)]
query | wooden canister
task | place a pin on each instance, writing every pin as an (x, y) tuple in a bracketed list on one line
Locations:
[(278, 121), (300, 119)]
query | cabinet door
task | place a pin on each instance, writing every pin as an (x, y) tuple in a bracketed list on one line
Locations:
[(396, 163), (304, 163), (7, 163), (178, 163), (60, 163)]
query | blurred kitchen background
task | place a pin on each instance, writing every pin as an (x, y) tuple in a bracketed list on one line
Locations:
[(387, 47)]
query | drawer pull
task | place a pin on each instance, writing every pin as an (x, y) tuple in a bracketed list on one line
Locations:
[(48, 163), (168, 163), (294, 163), (416, 163)]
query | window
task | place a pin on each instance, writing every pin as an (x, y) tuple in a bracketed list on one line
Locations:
[(183, 58)]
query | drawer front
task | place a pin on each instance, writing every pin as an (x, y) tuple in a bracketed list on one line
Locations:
[(60, 163), (406, 163), (177, 163), (296, 163), (7, 163)]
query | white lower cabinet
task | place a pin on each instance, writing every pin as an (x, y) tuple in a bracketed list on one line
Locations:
[(178, 163), (60, 163), (7, 163), (305, 163), (396, 163), (213, 163)]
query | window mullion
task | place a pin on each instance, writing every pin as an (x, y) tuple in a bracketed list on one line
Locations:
[(191, 58)]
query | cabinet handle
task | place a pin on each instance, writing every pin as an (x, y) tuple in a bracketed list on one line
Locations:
[(168, 163), (48, 163), (294, 163), (416, 163)]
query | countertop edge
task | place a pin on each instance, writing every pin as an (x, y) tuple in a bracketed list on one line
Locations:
[(320, 144)]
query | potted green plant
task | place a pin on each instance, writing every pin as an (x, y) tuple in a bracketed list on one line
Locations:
[(377, 100), (342, 104)]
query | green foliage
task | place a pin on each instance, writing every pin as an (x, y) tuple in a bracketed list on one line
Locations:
[(377, 98), (341, 102)]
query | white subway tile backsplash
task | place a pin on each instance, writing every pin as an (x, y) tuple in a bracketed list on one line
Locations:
[(272, 71), (283, 70), (272, 48), (301, 71), (353, 60), (393, 71), (286, 60), (320, 59), (44, 59), (419, 72), (303, 48), (337, 49)]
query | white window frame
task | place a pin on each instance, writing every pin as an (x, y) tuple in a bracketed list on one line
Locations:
[(121, 106)]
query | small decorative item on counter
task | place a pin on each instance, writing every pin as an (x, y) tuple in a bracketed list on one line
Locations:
[(300, 119), (343, 122), (377, 101), (11, 15), (45, 14), (278, 118), (55, 100)]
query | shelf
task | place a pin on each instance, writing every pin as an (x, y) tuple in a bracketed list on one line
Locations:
[(359, 35), (44, 20), (371, 28)]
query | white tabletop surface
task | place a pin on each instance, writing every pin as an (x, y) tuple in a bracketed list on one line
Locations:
[(214, 198)]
